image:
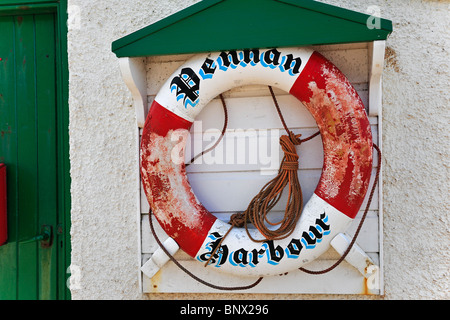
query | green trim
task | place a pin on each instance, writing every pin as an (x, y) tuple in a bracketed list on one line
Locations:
[(59, 9), (159, 25), (63, 147), (338, 12), (26, 3), (17, 10), (214, 25)]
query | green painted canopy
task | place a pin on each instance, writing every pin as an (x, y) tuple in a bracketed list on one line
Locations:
[(217, 25)]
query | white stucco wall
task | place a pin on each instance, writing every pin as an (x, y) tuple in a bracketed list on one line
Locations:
[(103, 150)]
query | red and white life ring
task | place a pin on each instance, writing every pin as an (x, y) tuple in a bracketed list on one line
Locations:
[(347, 143)]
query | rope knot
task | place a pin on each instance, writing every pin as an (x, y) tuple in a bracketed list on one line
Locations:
[(288, 143), (295, 138), (289, 165), (238, 220)]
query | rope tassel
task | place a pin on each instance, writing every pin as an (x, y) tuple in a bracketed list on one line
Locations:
[(258, 209)]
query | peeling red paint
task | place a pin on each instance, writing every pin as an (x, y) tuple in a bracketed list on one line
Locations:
[(166, 185), (345, 129)]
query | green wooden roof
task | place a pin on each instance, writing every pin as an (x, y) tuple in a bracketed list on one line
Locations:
[(216, 25)]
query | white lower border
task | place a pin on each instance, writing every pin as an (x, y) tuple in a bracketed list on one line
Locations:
[(238, 254)]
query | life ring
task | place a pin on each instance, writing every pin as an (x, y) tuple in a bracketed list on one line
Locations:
[(346, 137)]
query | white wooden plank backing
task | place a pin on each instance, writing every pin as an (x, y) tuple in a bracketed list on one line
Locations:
[(226, 179), (252, 150), (233, 191), (256, 113), (344, 279)]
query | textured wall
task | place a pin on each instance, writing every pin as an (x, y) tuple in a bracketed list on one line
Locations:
[(103, 149)]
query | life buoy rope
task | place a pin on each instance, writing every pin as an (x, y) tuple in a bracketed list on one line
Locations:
[(347, 142), (263, 202)]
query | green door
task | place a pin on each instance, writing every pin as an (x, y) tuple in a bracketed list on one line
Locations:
[(32, 264)]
